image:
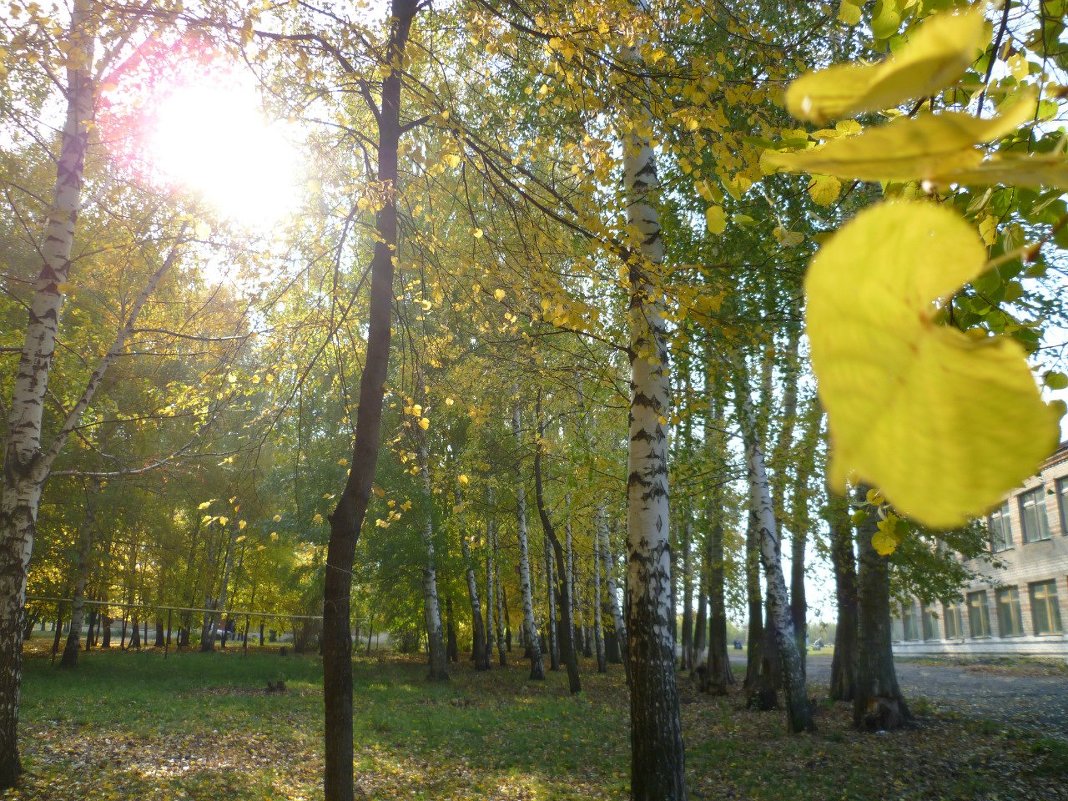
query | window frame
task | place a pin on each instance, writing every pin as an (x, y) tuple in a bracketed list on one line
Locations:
[(1039, 493), (1061, 488), (909, 632), (982, 606), (1052, 604), (951, 613), (1000, 520), (1014, 612), (929, 623)]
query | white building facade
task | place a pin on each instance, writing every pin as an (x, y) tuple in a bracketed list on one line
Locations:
[(1021, 609)]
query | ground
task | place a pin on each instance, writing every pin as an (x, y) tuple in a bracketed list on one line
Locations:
[(202, 726)]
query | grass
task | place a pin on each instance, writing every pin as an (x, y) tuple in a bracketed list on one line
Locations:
[(201, 726)]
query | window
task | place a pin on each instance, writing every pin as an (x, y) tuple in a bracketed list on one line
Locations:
[(1062, 503), (908, 622), (1045, 608), (1000, 528), (978, 614), (930, 622), (1033, 515), (897, 631), (951, 620), (1010, 623)]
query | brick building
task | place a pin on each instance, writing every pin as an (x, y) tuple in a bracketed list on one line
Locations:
[(1021, 609)]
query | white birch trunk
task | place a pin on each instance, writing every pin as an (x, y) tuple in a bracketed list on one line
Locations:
[(431, 606), (763, 510), (530, 627), (657, 756), (598, 622)]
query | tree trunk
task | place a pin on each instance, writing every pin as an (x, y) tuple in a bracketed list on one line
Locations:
[(85, 546), (598, 601), (348, 517), (720, 675), (657, 756), (878, 704), (700, 634), (23, 473), (617, 645), (805, 467), (755, 600), (502, 605), (687, 662), (135, 636), (799, 714), (551, 595), (530, 627), (452, 649), (566, 636), (431, 605), (843, 559), (479, 647)]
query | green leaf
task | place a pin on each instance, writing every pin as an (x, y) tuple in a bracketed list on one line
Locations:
[(923, 148), (938, 53), (942, 423)]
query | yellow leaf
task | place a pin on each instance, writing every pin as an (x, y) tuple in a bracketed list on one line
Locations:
[(223, 520), (478, 233), (1036, 171), (424, 423), (452, 160), (988, 229), (920, 148), (938, 53), (277, 518), (849, 13), (317, 519), (206, 504), (824, 189), (499, 294), (463, 479), (241, 525), (887, 537), (716, 219), (943, 424), (449, 401)]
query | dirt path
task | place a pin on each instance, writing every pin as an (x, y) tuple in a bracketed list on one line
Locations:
[(1037, 703)]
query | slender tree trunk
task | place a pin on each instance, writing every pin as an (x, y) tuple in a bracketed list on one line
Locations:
[(431, 605), (657, 755), (720, 675), (480, 648), (687, 596), (799, 714), (502, 607), (85, 546), (348, 517), (700, 634), (755, 601), (550, 590), (619, 628), (598, 602), (566, 636), (452, 649), (877, 701), (843, 558), (530, 627)]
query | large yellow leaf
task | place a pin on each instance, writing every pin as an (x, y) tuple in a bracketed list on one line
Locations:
[(1048, 171), (938, 53), (942, 423), (919, 148)]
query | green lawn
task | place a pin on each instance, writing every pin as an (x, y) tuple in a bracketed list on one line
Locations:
[(201, 726)]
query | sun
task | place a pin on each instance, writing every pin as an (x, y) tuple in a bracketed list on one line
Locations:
[(214, 141), (185, 120)]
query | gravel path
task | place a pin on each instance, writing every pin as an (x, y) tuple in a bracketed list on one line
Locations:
[(1038, 703)]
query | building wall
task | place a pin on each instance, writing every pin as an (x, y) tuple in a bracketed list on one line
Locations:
[(1026, 563)]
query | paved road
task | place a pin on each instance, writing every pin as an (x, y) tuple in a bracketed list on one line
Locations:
[(1038, 703)]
